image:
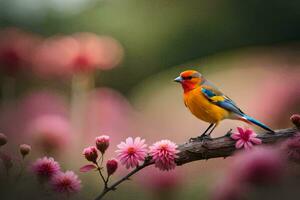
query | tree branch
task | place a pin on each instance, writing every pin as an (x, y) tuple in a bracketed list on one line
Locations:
[(199, 150), (223, 146)]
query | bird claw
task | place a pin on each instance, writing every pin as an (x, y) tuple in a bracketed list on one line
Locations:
[(200, 138), (228, 134)]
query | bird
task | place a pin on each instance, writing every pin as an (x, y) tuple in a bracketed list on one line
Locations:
[(209, 104)]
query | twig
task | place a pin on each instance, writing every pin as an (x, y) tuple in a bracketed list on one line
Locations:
[(114, 185)]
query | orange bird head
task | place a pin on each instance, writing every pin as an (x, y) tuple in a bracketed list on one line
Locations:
[(189, 79)]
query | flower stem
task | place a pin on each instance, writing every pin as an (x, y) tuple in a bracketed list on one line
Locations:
[(114, 185)]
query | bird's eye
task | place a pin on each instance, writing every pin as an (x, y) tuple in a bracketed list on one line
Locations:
[(187, 78)]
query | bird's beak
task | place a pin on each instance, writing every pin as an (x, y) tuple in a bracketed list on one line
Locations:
[(178, 79)]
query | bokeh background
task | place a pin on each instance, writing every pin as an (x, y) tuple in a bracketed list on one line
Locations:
[(75, 69)]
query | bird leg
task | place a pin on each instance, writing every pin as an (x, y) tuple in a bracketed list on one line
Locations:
[(204, 135)]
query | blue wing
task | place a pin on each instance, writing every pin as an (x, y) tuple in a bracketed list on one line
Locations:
[(219, 99)]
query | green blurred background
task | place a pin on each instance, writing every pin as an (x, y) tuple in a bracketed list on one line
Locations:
[(159, 34)]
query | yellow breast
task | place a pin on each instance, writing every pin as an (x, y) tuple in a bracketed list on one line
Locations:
[(202, 108)]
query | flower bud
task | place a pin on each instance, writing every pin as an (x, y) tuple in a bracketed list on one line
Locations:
[(111, 166), (296, 120), (25, 149), (91, 154), (3, 139), (102, 143)]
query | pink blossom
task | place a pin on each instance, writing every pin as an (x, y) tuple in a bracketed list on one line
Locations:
[(164, 153), (111, 166), (296, 119), (51, 58), (245, 138), (291, 148), (62, 56), (15, 49), (91, 154), (261, 165), (94, 52), (45, 168), (50, 132), (229, 188), (66, 183), (102, 143), (132, 152), (161, 181)]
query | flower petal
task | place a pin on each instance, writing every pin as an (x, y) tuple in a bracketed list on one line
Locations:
[(87, 168), (235, 136), (248, 145), (240, 130), (239, 144), (255, 140)]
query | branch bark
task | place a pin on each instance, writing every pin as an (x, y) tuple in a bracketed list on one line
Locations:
[(199, 150), (223, 146)]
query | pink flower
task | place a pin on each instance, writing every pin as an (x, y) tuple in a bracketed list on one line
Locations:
[(132, 152), (164, 153), (15, 49), (111, 166), (50, 132), (94, 52), (45, 167), (3, 139), (91, 154), (160, 182), (245, 138), (291, 148), (229, 188), (102, 143), (296, 119), (66, 183), (25, 149), (258, 166)]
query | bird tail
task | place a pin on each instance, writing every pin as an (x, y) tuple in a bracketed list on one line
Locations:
[(251, 120)]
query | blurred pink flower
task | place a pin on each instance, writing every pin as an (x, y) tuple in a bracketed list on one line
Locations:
[(91, 154), (296, 120), (164, 153), (66, 183), (160, 181), (111, 166), (279, 108), (45, 168), (245, 138), (102, 143), (95, 52), (132, 152), (61, 56), (15, 48), (109, 112), (52, 57), (261, 165), (291, 148), (229, 189), (50, 132)]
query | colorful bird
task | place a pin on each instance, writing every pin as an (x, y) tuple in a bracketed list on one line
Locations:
[(209, 104)]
